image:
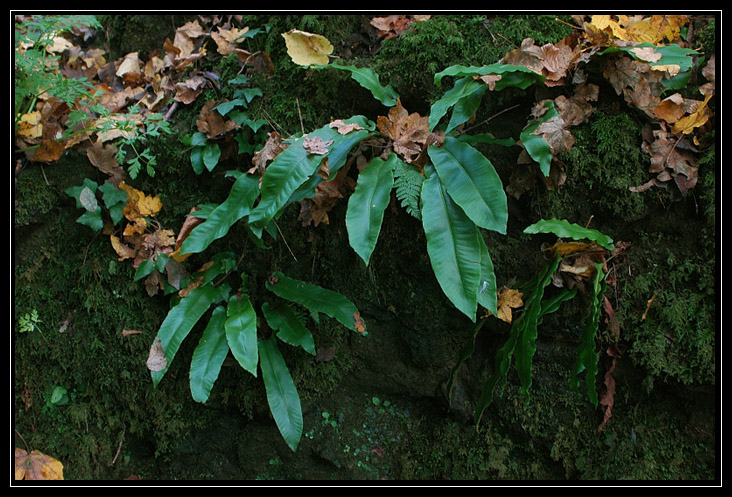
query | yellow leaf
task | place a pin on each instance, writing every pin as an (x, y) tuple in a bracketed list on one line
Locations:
[(37, 466), (30, 125), (122, 250), (307, 49), (508, 298), (687, 124)]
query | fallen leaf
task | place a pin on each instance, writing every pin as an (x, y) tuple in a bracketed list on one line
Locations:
[(126, 333), (307, 49), (37, 466), (213, 124), (316, 145), (344, 128), (103, 157), (409, 132), (358, 322), (271, 149), (123, 251), (508, 298), (394, 25), (156, 360)]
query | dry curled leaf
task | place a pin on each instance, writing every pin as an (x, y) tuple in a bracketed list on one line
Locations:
[(409, 132), (344, 128)]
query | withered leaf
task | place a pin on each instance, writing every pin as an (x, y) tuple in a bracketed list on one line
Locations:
[(103, 157), (37, 466), (316, 145), (213, 124), (508, 299), (156, 360), (344, 128), (272, 147), (409, 132)]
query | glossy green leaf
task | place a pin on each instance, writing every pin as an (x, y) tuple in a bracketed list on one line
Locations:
[(208, 356), (452, 244), (241, 332), (528, 323), (282, 396), (521, 341), (464, 88), (294, 166), (564, 229), (290, 328), (511, 76), (367, 78), (181, 319), (472, 182), (337, 155), (314, 298), (587, 355), (536, 146), (237, 205), (487, 290), (211, 155), (366, 205)]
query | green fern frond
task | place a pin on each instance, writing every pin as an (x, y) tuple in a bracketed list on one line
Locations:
[(408, 185)]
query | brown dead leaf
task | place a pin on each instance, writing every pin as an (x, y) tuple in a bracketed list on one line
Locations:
[(272, 147), (698, 118), (640, 85), (343, 128), (122, 250), (670, 159), (126, 333), (409, 132), (103, 157), (508, 298), (316, 145), (213, 124), (156, 360), (394, 25), (37, 466), (327, 194), (358, 322), (227, 39), (188, 91)]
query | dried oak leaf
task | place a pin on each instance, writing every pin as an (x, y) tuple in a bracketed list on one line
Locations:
[(37, 466), (226, 39), (394, 25), (409, 132)]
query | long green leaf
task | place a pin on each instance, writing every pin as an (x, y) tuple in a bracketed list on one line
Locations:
[(366, 205), (564, 229), (289, 328), (511, 76), (181, 319), (241, 332), (536, 146), (337, 155), (237, 205), (529, 325), (208, 356), (282, 396), (587, 356), (367, 78), (487, 290), (464, 88), (472, 183), (521, 341), (452, 245), (315, 298), (293, 167)]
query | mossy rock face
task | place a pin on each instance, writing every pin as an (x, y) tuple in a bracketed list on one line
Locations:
[(378, 407)]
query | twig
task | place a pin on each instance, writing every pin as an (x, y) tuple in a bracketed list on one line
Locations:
[(27, 449), (648, 306), (490, 118), (302, 128), (119, 447), (283, 239)]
